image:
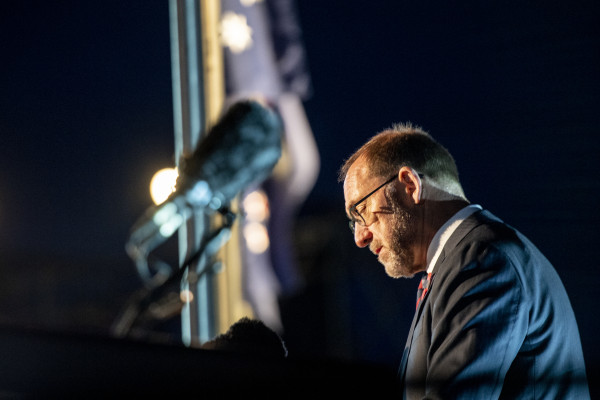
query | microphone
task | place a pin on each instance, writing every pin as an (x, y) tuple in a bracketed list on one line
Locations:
[(242, 148)]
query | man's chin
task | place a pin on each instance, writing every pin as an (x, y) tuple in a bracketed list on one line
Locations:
[(397, 271)]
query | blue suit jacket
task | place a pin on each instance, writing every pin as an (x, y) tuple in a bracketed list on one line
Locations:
[(496, 323)]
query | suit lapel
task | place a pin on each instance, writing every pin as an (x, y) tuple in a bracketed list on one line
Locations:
[(468, 224), (418, 312)]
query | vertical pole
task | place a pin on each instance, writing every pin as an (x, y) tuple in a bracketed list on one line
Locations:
[(197, 102)]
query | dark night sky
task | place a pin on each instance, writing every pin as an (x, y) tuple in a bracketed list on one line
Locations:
[(511, 89), (87, 120)]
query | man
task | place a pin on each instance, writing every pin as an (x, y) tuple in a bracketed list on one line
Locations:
[(493, 319)]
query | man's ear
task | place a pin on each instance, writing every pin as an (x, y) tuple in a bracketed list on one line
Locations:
[(412, 183)]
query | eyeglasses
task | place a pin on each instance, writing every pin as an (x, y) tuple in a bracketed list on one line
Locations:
[(356, 217)]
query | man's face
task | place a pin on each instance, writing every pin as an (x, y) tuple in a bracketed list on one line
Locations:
[(391, 225)]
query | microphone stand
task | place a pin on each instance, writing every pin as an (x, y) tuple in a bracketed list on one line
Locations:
[(141, 300)]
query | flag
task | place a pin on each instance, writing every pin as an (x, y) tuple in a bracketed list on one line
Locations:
[(264, 57)]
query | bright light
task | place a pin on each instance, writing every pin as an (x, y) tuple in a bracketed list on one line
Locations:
[(257, 237), (186, 296), (249, 3), (256, 206), (235, 32), (163, 184)]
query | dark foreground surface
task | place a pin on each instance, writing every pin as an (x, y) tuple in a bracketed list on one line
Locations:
[(53, 365)]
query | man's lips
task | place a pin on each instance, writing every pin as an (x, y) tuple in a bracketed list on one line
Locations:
[(377, 250)]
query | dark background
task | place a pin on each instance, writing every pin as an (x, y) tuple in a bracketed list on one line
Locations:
[(510, 88)]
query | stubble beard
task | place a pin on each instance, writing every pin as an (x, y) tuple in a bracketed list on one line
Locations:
[(399, 261)]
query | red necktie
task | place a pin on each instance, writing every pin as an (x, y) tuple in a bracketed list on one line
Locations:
[(423, 287)]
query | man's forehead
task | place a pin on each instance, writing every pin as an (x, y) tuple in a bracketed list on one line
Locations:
[(359, 172)]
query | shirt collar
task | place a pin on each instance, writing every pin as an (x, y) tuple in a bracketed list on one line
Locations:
[(444, 233)]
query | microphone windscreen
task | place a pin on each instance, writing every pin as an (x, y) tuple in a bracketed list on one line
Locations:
[(241, 148)]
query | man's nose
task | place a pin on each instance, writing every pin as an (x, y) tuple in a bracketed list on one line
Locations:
[(362, 236)]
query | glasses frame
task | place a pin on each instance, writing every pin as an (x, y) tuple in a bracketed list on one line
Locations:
[(353, 211)]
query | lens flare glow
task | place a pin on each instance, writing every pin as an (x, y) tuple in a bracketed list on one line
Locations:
[(186, 296), (163, 184), (257, 237), (235, 32), (256, 206)]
